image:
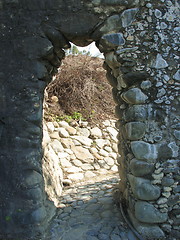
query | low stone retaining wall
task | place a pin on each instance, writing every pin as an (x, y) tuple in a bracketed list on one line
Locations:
[(72, 153)]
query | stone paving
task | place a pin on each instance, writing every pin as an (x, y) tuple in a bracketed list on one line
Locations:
[(88, 212)]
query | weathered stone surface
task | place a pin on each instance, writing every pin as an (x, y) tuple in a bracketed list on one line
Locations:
[(113, 23), (147, 213), (32, 178), (143, 189), (84, 132), (141, 168), (177, 134), (67, 142), (177, 75), (57, 146), (149, 231), (76, 176), (111, 79), (38, 215), (144, 151), (136, 113), (160, 62), (82, 153), (109, 161), (111, 60), (174, 199), (96, 132), (135, 130), (83, 140), (63, 133), (50, 126), (134, 96), (112, 40), (128, 16), (167, 182), (101, 142), (113, 132)]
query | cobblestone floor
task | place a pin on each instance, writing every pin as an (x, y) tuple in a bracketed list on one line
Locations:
[(88, 212)]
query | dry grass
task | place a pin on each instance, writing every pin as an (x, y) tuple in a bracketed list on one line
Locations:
[(81, 86)]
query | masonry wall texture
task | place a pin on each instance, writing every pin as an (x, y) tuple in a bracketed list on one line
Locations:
[(140, 42)]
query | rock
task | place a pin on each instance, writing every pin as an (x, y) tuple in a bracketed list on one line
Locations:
[(67, 142), (177, 134), (128, 16), (143, 189), (147, 213), (136, 113), (113, 132), (74, 169), (53, 176), (87, 166), (146, 84), (109, 161), (140, 168), (102, 142), (65, 163), (114, 168), (76, 176), (71, 130), (54, 135), (111, 60), (148, 231), (77, 163), (158, 176), (107, 123), (135, 130), (38, 215), (113, 23), (167, 182), (162, 200), (113, 155), (63, 155), (134, 96), (144, 151), (50, 126), (89, 174), (83, 140), (173, 200), (63, 133), (46, 138), (84, 132), (103, 153), (57, 146), (63, 124), (160, 63), (166, 227), (82, 154), (96, 132), (108, 149), (32, 178), (112, 40), (111, 79), (177, 76)]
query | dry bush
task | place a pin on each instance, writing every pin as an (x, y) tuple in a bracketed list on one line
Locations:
[(81, 86)]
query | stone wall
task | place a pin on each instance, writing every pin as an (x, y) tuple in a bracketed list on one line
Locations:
[(74, 153), (140, 42)]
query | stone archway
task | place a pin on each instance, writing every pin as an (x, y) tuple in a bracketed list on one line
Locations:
[(141, 62)]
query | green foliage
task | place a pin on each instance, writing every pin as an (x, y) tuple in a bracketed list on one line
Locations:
[(68, 118)]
